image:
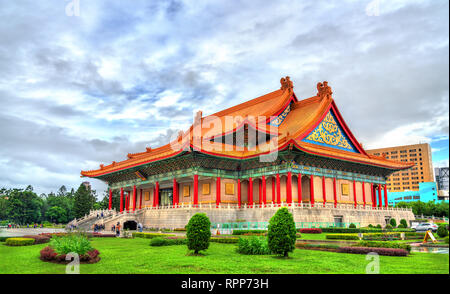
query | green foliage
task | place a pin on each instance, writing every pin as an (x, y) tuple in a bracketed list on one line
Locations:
[(24, 206), (352, 226), (370, 226), (150, 235), (253, 246), (159, 241), (243, 232), (401, 226), (224, 240), (393, 222), (388, 227), (325, 246), (19, 241), (404, 223), (78, 243), (342, 236), (446, 239), (429, 208), (384, 244), (84, 201), (378, 226), (442, 231), (198, 232), (282, 232)]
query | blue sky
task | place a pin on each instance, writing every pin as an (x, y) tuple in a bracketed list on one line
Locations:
[(77, 91)]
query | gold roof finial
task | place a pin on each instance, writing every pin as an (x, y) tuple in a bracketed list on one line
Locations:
[(286, 84), (323, 90)]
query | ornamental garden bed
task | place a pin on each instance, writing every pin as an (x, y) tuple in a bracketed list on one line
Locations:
[(61, 246)]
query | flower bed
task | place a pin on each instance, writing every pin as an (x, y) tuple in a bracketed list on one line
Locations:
[(311, 231), (380, 251), (321, 247), (19, 241), (253, 246), (381, 244), (3, 238), (342, 236), (38, 239), (49, 254), (72, 243)]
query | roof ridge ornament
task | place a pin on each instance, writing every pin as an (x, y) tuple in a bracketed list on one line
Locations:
[(323, 90), (286, 84)]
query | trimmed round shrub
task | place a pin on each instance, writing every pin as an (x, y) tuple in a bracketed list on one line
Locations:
[(282, 233), (393, 222), (388, 227), (198, 232), (404, 222), (370, 226), (442, 231), (378, 226), (19, 241), (352, 226)]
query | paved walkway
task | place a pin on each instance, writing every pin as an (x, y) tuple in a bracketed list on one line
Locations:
[(27, 231)]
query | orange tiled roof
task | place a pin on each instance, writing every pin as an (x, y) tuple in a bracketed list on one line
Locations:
[(304, 115)]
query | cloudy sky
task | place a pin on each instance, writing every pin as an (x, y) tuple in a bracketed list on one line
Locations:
[(85, 82)]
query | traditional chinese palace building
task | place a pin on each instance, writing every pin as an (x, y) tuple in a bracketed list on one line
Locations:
[(244, 162)]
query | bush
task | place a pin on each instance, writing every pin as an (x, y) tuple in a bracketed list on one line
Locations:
[(282, 233), (391, 236), (352, 226), (150, 235), (393, 222), (380, 251), (78, 243), (370, 226), (379, 226), (342, 236), (385, 244), (388, 227), (442, 231), (19, 241), (38, 239), (198, 232), (244, 232), (158, 241), (311, 231), (325, 246), (253, 246), (224, 240), (404, 222), (446, 239), (3, 238), (401, 226), (351, 230), (49, 254)]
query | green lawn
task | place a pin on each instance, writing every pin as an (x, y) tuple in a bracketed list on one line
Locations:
[(129, 256)]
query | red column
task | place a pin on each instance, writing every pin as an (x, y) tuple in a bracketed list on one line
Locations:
[(364, 194), (134, 198), (154, 196), (273, 191), (195, 190), (260, 191), (334, 192), (126, 201), (239, 192), (289, 188), (324, 192), (354, 192), (217, 191), (250, 192), (311, 190), (110, 199), (121, 199), (140, 199), (157, 193), (299, 188), (374, 202), (174, 191), (278, 190), (385, 197), (264, 190), (380, 204)]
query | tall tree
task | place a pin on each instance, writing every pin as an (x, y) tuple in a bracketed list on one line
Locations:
[(24, 206), (83, 201)]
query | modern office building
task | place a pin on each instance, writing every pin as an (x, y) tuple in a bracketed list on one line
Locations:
[(410, 179), (427, 192)]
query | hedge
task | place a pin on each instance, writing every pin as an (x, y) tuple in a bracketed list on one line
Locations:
[(243, 232), (3, 238), (19, 241), (224, 240), (380, 251), (325, 246), (390, 236), (150, 235), (38, 239), (342, 236), (362, 230), (311, 231), (385, 244), (158, 241)]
